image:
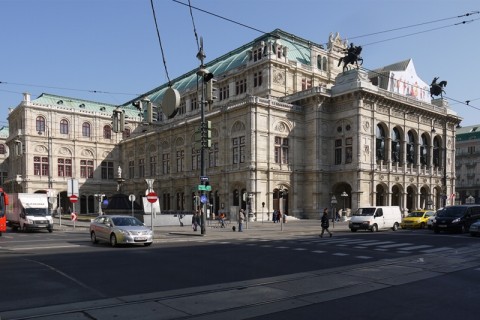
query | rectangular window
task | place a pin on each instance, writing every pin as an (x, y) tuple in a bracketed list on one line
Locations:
[(64, 167), (338, 151), (180, 160), (193, 103), (141, 168), (131, 169), (471, 150), (107, 170), (213, 155), (238, 150), (166, 163), (40, 166), (196, 158), (241, 86), (86, 169), (153, 166), (281, 150), (257, 54), (257, 79), (224, 93)]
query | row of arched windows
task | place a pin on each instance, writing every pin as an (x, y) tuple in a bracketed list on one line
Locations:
[(64, 128), (403, 150)]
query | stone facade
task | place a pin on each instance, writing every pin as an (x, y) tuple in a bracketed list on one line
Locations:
[(290, 131)]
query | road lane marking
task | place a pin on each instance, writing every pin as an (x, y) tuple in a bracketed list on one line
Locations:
[(41, 248)]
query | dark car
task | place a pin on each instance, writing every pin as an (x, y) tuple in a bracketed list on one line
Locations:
[(456, 218)]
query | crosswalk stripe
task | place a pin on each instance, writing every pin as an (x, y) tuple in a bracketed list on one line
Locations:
[(395, 245), (373, 244), (415, 247), (437, 250)]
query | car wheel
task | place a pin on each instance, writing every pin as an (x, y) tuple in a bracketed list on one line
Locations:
[(436, 230), (50, 230), (374, 228), (472, 234), (147, 244), (93, 237), (353, 230), (463, 229), (113, 240), (395, 226), (422, 225)]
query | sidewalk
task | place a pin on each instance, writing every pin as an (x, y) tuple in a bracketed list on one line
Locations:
[(263, 229)]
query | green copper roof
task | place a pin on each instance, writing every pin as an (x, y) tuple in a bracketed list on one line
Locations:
[(79, 104), (468, 133), (4, 132), (298, 50)]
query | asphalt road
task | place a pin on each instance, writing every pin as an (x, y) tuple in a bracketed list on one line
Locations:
[(42, 269)]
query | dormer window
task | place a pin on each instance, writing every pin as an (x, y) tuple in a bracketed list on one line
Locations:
[(60, 102)]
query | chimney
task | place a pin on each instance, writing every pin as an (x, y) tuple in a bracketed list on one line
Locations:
[(26, 97)]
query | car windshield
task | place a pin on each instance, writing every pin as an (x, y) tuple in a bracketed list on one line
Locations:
[(36, 212), (126, 221), (416, 214), (451, 212), (365, 212)]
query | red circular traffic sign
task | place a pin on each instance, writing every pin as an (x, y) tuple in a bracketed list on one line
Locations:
[(73, 198), (152, 197)]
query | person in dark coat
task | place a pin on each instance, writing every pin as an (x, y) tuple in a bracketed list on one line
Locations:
[(324, 223)]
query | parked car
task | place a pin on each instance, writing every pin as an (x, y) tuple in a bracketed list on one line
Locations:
[(120, 230), (456, 218), (475, 229), (417, 219), (430, 221), (376, 218)]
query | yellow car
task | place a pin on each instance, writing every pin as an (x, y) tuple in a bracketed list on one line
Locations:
[(416, 219)]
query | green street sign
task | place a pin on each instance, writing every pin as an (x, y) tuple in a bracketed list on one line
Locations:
[(201, 187)]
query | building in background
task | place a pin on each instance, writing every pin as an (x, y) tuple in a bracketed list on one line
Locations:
[(290, 131), (467, 168)]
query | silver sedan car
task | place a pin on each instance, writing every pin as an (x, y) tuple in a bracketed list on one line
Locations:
[(120, 230)]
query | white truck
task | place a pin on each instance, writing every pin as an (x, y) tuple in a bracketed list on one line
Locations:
[(376, 218), (29, 211)]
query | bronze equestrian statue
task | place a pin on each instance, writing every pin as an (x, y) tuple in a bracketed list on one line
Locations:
[(352, 56), (436, 89)]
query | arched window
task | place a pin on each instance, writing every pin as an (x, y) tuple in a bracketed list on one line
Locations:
[(63, 126), (2, 148), (107, 132), (424, 152), (396, 143), (436, 152), (411, 148), (126, 133), (319, 62), (380, 143), (324, 63), (86, 129), (40, 124)]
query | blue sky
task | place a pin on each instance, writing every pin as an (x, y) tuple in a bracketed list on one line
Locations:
[(75, 47)]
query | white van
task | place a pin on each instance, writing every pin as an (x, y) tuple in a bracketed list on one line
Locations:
[(376, 218)]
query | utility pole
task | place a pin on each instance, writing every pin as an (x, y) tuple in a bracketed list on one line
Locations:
[(203, 73)]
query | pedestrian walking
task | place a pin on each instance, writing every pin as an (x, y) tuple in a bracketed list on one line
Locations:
[(324, 223), (241, 218), (195, 220)]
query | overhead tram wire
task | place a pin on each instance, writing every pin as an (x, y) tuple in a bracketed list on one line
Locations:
[(415, 25), (160, 42), (63, 88)]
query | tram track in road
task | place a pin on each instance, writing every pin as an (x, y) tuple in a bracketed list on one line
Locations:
[(282, 292)]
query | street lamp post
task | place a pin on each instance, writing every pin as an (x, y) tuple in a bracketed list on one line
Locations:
[(333, 202), (344, 195)]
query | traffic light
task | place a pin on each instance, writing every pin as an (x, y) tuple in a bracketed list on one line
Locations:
[(210, 94), (152, 112), (206, 134)]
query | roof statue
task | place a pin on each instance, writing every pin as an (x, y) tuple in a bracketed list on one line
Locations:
[(436, 89), (352, 55)]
